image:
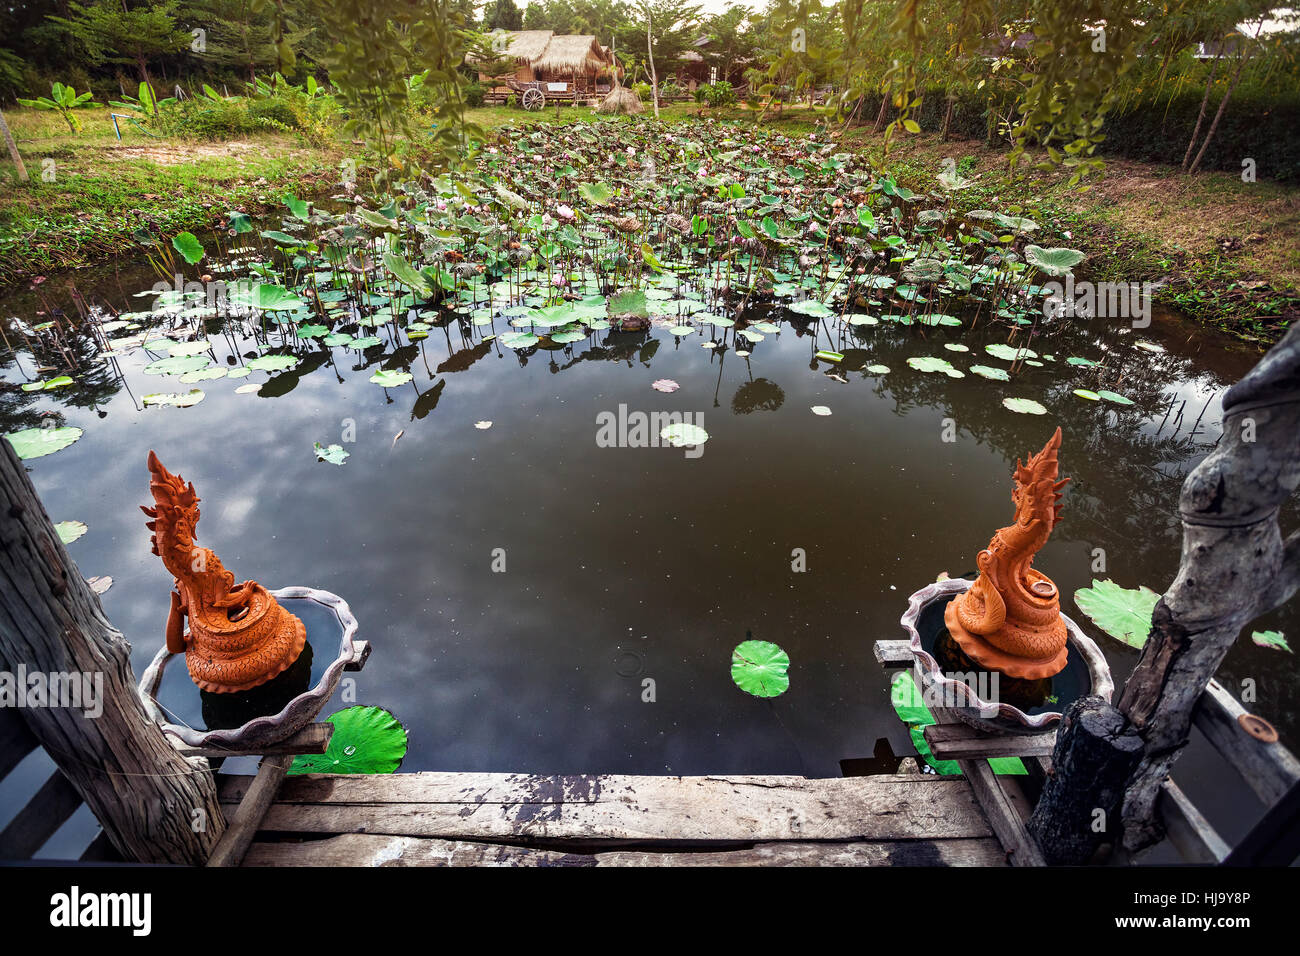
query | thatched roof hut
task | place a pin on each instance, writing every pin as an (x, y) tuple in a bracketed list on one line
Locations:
[(546, 55)]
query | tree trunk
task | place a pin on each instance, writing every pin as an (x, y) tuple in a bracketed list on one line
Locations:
[(1223, 105), (154, 806), (947, 121), (1235, 567), (650, 59), (1080, 807), (13, 149), (880, 117), (1200, 117)]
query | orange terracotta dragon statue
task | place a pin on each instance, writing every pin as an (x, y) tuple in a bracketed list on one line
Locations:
[(1010, 618), (239, 637)]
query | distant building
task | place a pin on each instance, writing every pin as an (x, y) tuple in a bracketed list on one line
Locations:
[(548, 57)]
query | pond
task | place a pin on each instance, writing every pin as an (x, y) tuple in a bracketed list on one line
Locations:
[(542, 600)]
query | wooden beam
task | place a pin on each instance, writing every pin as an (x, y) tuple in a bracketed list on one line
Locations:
[(312, 739), (235, 842), (16, 741), (1187, 830), (1269, 769), (1275, 839), (519, 807), (48, 809), (144, 794), (365, 849), (1006, 810), (959, 741)]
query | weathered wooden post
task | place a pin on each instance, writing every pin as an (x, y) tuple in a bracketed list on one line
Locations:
[(1235, 567), (154, 805)]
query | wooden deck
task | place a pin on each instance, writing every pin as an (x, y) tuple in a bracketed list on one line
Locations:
[(468, 819)]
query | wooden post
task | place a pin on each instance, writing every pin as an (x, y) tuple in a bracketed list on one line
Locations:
[(1080, 807), (13, 148), (1235, 567), (154, 805)]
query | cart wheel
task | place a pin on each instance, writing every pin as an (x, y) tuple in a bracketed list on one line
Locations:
[(534, 100)]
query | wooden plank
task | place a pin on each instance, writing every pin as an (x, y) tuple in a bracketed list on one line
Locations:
[(893, 653), (958, 741), (234, 843), (985, 852), (368, 849), (312, 739), (35, 823), (612, 807), (1006, 811), (1187, 830), (16, 741), (1275, 839), (365, 849), (1270, 769)]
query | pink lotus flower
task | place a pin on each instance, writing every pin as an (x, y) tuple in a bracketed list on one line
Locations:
[(564, 212), (665, 385)]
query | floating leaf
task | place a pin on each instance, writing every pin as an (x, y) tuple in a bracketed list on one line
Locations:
[(985, 371), (878, 369), (1002, 351), (1082, 362), (681, 329), (248, 389), (929, 363), (70, 531), (389, 378), (1025, 406), (664, 385), (179, 399), (38, 442), (177, 365), (519, 340), (365, 740), (1088, 394), (684, 435), (1115, 397), (820, 410), (1272, 639), (272, 363), (482, 426), (1123, 613), (334, 454), (760, 668)]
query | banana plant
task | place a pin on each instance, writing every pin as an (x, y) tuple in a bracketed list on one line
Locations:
[(146, 103), (64, 99)]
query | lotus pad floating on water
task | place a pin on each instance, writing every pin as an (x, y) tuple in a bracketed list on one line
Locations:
[(1025, 406), (38, 442), (1123, 613), (760, 668), (684, 435), (365, 740)]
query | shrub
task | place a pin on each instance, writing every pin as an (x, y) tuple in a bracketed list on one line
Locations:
[(642, 90), (721, 93), (474, 94)]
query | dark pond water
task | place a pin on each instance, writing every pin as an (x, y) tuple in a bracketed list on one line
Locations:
[(626, 564)]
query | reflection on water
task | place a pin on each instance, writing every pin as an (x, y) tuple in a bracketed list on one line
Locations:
[(501, 573)]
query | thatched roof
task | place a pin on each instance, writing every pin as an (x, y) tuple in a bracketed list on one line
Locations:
[(557, 53)]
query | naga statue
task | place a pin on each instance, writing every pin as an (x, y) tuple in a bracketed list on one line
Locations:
[(239, 636), (1010, 618)]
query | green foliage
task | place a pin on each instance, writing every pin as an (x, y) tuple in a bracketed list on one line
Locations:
[(721, 93), (64, 99), (365, 740), (1123, 613)]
